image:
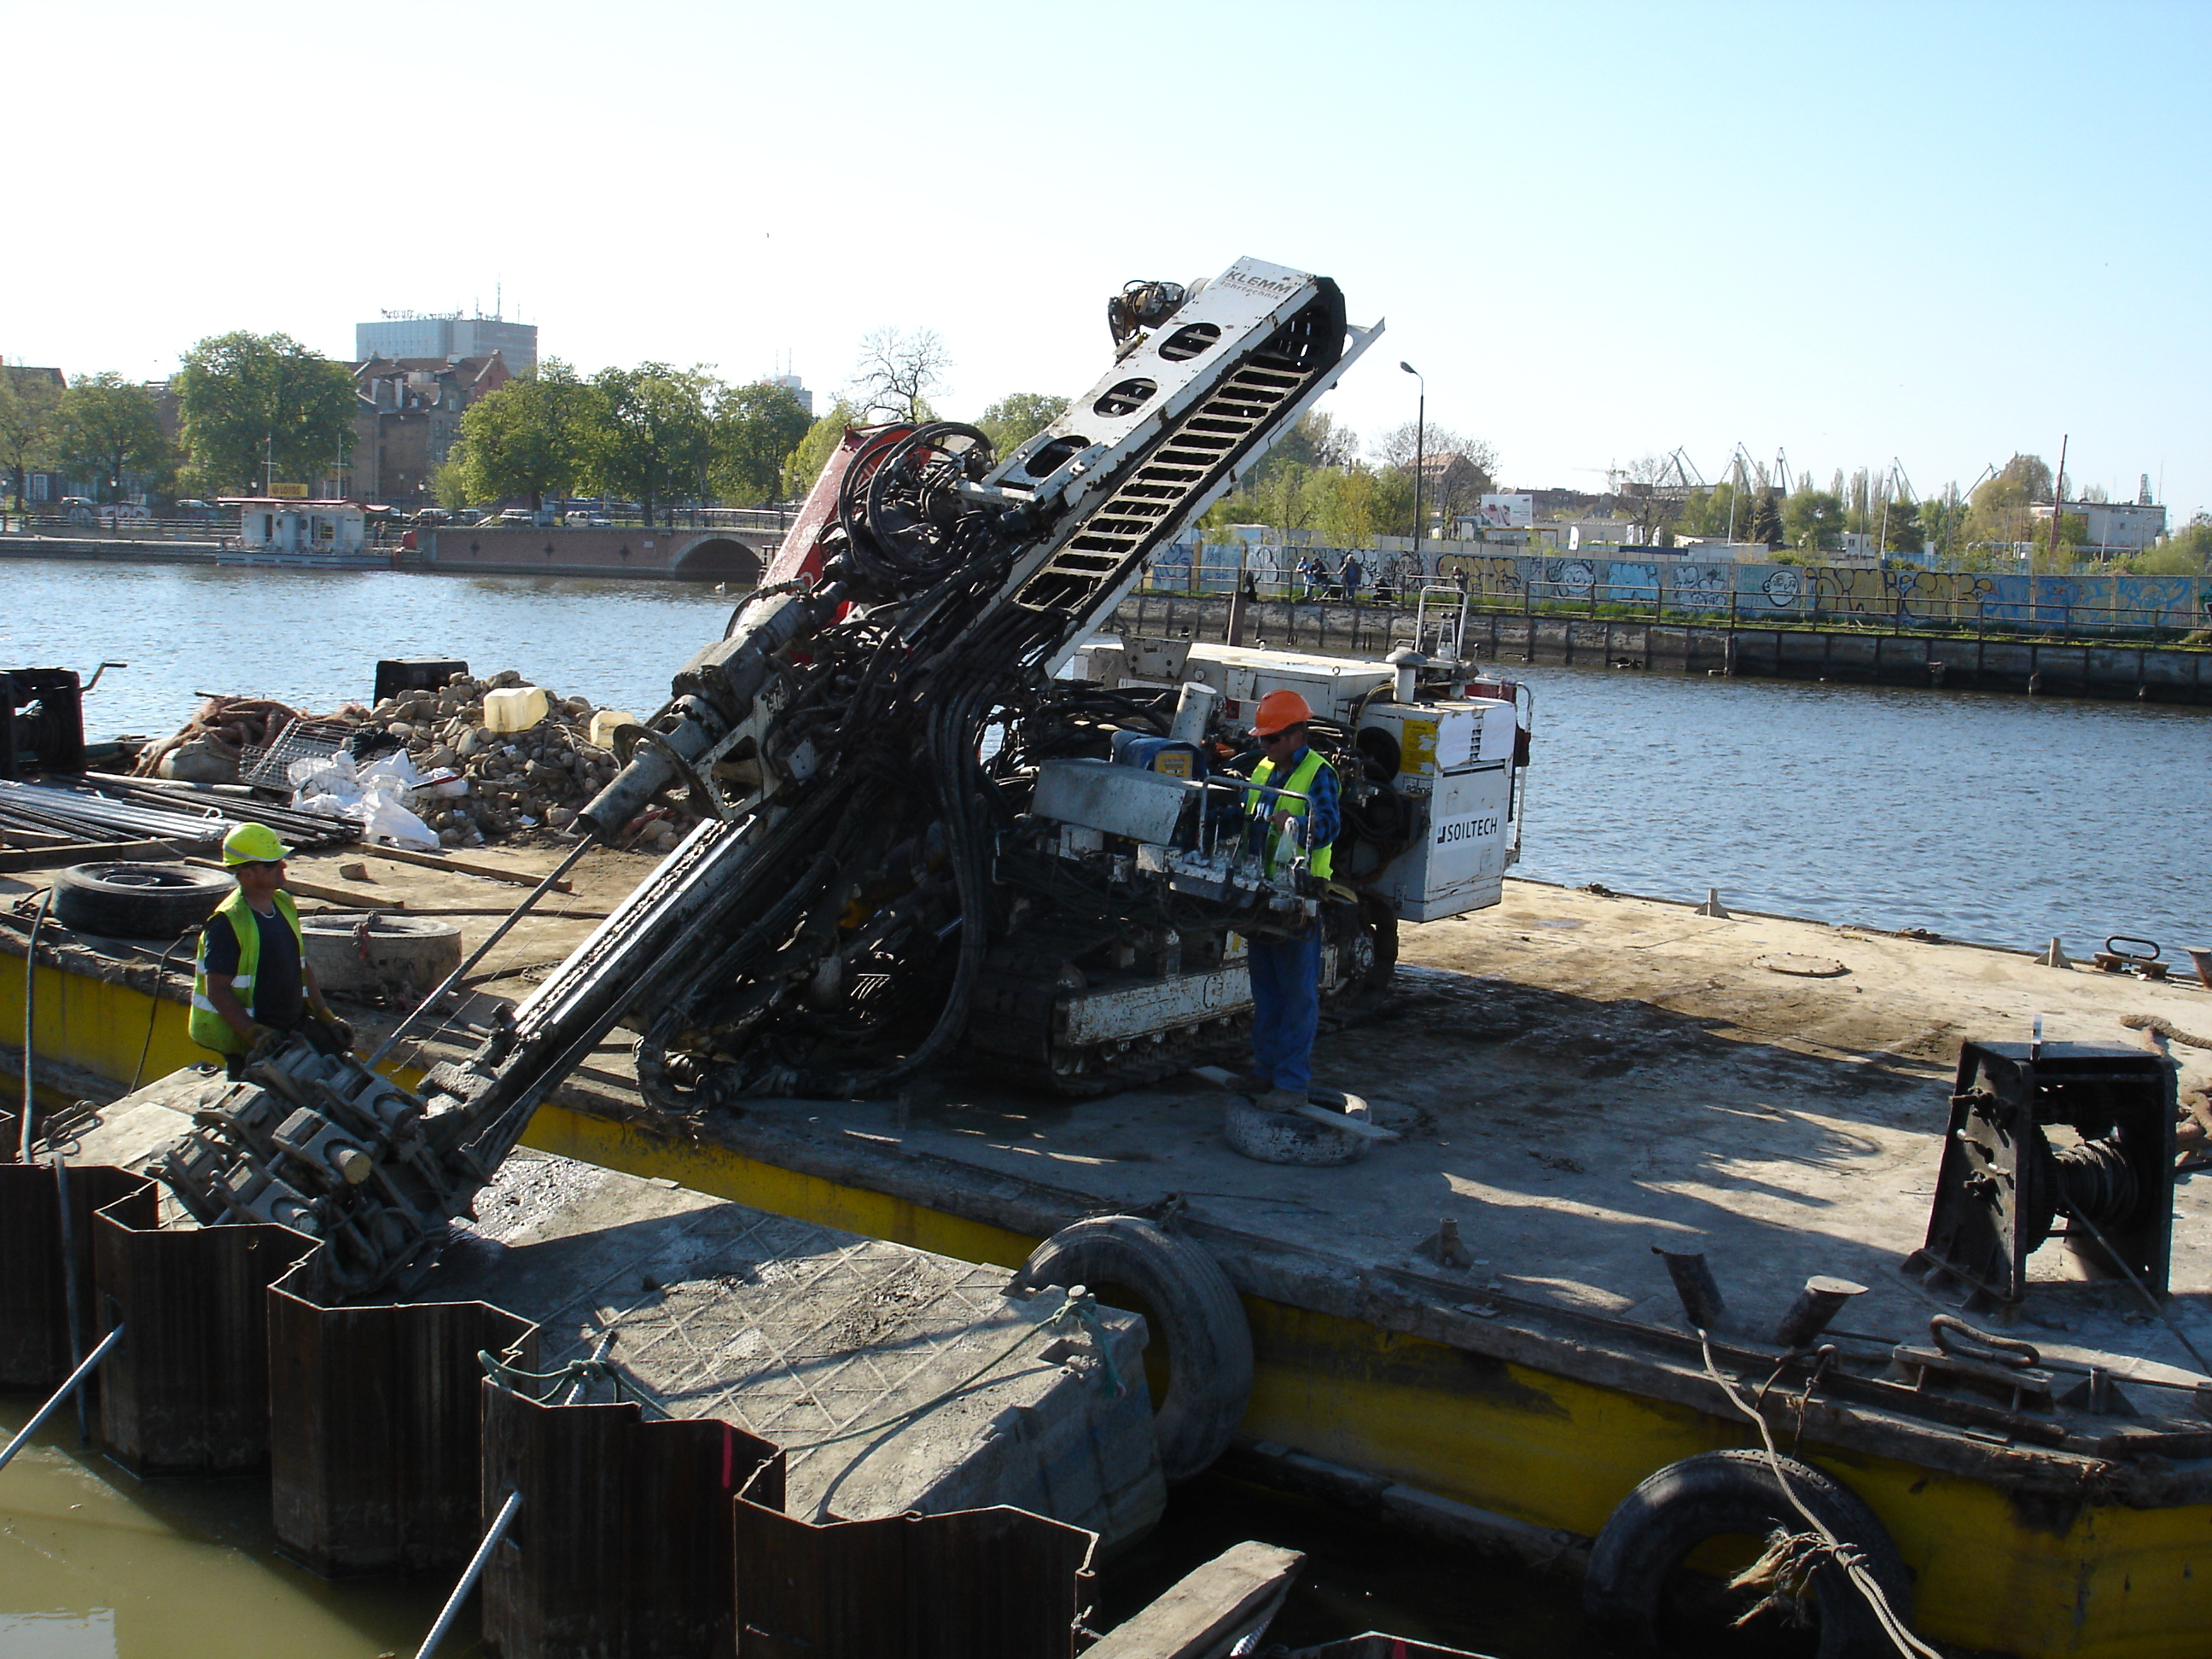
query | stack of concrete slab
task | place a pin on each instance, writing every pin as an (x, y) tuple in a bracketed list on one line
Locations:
[(896, 1381)]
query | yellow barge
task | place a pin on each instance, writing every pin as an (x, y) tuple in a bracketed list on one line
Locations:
[(1468, 1331)]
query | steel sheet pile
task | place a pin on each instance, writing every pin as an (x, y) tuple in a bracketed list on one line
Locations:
[(119, 809)]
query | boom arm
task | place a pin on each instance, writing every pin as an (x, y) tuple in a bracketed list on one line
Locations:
[(824, 930)]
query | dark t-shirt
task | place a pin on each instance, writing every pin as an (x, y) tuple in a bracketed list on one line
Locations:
[(279, 997)]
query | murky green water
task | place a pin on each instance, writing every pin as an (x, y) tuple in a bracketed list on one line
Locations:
[(95, 1564)]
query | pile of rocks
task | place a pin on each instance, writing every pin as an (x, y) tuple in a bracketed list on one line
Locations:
[(518, 780)]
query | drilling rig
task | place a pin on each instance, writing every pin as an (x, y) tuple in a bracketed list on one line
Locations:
[(941, 812)]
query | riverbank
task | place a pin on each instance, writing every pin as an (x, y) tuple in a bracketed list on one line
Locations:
[(2003, 659)]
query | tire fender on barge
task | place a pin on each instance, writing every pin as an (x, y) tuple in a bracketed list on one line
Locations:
[(1660, 1525), (1192, 1310)]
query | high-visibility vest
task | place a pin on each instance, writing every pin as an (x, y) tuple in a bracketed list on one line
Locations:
[(1282, 845), (208, 1028)]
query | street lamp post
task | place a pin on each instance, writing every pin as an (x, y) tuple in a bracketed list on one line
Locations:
[(1420, 455)]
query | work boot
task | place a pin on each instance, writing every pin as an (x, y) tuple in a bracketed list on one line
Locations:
[(1249, 1082), (1281, 1100)]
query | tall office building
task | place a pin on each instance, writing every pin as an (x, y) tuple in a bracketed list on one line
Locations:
[(448, 334)]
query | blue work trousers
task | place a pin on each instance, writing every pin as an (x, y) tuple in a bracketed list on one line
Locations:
[(1286, 1007)]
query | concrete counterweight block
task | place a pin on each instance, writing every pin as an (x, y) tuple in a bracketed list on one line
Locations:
[(187, 1393), (375, 1424)]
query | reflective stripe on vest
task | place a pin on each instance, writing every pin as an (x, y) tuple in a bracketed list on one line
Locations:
[(1281, 847), (208, 1028)]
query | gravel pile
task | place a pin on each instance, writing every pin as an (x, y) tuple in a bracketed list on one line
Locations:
[(518, 780)]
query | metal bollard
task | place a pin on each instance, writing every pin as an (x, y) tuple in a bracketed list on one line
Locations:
[(1820, 1301), (1695, 1285)]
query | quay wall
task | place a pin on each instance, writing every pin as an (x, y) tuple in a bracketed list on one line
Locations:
[(2049, 667), (724, 555), (716, 554)]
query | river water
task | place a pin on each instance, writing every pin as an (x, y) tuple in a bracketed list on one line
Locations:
[(1994, 818), (2003, 819)]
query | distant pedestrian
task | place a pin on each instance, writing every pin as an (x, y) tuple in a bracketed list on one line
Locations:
[(1348, 577)]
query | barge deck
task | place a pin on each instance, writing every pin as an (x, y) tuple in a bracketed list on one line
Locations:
[(1578, 1077)]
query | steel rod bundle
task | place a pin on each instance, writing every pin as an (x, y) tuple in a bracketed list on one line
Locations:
[(95, 814)]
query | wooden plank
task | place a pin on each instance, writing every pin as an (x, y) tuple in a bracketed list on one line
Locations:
[(1205, 1613), (351, 898), (89, 851), (462, 866)]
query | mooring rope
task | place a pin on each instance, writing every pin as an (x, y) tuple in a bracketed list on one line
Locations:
[(2166, 1029), (1795, 1549)]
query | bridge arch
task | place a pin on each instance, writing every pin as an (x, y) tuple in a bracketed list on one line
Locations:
[(718, 556)]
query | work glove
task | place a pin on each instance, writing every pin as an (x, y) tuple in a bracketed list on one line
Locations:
[(337, 1028), (258, 1037)]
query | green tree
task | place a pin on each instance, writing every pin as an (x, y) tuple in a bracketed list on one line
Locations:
[(2001, 515), (755, 429), (253, 402), (1707, 512), (106, 425), (1284, 498), (532, 437), (1904, 533), (1017, 417), (655, 437), (804, 463), (1352, 504), (2187, 552), (1811, 519), (1942, 521), (27, 403), (1766, 519)]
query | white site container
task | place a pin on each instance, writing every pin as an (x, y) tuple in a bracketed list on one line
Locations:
[(514, 707), (605, 724)]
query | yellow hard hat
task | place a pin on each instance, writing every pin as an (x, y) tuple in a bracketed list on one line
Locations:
[(253, 843), (1280, 707)]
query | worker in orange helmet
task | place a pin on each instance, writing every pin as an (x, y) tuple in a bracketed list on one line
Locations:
[(1293, 808)]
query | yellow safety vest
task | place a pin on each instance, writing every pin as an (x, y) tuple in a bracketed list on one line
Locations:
[(208, 1028), (1282, 845)]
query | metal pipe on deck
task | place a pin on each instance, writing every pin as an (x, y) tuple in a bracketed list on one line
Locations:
[(391, 1038)]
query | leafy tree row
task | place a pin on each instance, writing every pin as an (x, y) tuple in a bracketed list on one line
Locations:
[(648, 434)]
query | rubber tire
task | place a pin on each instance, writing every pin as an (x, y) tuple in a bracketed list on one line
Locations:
[(136, 901), (1190, 1306), (1671, 1513), (1267, 1137)]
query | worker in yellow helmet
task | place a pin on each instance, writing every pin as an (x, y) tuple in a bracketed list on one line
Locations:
[(253, 979), (1293, 808)]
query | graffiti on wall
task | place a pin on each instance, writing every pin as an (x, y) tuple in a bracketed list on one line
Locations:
[(1809, 591)]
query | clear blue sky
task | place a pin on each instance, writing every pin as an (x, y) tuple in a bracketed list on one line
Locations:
[(1938, 232)]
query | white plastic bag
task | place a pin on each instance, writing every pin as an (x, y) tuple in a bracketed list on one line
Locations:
[(384, 816)]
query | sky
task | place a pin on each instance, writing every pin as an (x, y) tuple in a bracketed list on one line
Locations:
[(1855, 235)]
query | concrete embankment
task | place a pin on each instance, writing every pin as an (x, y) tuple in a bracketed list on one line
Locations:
[(2048, 667)]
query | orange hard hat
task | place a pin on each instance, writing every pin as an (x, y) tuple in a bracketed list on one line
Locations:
[(1279, 708)]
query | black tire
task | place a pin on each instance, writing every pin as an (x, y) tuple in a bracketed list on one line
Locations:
[(136, 901), (1192, 1311), (1719, 1493)]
